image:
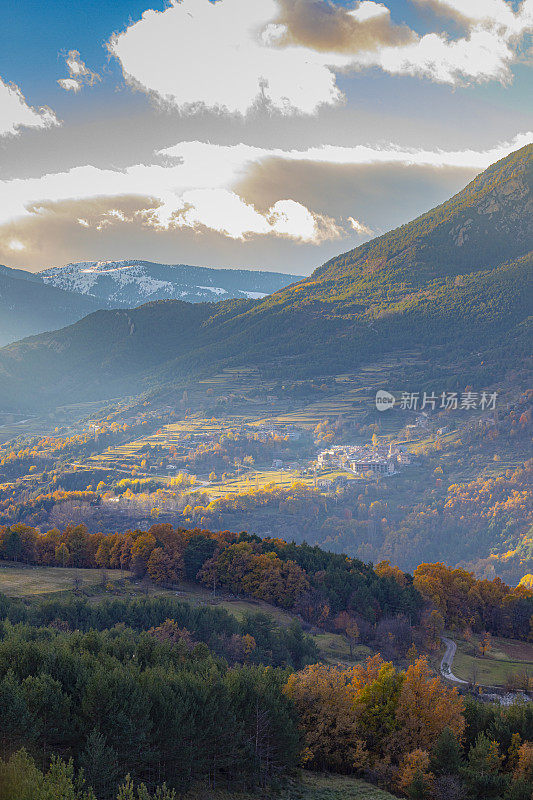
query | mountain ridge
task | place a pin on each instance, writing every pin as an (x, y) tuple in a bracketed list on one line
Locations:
[(33, 303), (341, 316), (132, 282), (28, 306)]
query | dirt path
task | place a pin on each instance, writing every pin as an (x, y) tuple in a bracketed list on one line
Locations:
[(447, 661)]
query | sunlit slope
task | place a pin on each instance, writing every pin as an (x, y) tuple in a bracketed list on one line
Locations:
[(459, 277)]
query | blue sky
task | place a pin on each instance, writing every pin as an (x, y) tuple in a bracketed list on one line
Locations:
[(260, 133)]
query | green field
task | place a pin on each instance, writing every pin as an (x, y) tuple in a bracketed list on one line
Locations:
[(310, 786), (24, 581), (506, 658)]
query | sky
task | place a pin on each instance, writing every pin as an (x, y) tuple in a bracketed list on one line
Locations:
[(261, 134)]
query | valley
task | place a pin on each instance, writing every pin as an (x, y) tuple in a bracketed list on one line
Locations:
[(249, 459), (294, 499)]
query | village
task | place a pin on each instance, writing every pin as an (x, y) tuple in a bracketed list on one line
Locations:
[(361, 459)]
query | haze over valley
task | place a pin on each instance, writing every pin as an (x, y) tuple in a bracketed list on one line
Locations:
[(266, 523)]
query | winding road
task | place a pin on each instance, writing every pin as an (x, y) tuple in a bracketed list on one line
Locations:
[(447, 661)]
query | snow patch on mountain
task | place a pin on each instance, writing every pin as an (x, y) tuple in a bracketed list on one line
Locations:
[(131, 282)]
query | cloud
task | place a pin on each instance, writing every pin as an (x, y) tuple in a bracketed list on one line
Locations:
[(16, 245), (360, 227), (70, 85), (480, 57), (492, 14), (235, 55), (218, 188), (321, 26), (167, 198), (15, 113), (197, 53), (80, 74)]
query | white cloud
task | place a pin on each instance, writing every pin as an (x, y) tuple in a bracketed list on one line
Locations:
[(232, 54), (480, 57), (80, 74), (360, 227), (70, 85), (199, 53), (197, 189), (15, 113), (16, 245), (369, 10)]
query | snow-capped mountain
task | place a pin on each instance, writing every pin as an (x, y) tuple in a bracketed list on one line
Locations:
[(132, 283)]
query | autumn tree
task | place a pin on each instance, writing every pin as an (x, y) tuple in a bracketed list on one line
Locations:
[(485, 644), (324, 697), (413, 766), (346, 624), (426, 706), (141, 550)]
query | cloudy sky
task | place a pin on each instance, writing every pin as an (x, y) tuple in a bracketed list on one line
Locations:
[(267, 134)]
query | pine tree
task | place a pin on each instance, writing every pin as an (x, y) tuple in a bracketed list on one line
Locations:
[(446, 754), (482, 771), (100, 765)]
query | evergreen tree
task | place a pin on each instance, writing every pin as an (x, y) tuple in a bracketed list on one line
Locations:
[(446, 754), (100, 765), (519, 790), (15, 721), (482, 771)]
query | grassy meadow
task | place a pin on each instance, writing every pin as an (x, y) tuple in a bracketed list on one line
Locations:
[(506, 658), (17, 580), (310, 786)]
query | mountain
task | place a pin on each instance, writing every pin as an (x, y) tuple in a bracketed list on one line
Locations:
[(31, 303), (454, 283), (131, 283), (27, 306)]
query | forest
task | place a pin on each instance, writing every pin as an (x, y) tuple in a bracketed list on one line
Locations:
[(138, 699)]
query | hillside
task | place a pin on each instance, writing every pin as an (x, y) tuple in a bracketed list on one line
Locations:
[(131, 283), (31, 303), (27, 306), (462, 272), (116, 349), (486, 223)]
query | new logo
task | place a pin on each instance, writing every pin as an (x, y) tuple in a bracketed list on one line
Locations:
[(384, 400)]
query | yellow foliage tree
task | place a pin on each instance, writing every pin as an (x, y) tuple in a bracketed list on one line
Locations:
[(417, 761)]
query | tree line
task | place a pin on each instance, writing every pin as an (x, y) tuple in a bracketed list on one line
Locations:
[(311, 581), (316, 584)]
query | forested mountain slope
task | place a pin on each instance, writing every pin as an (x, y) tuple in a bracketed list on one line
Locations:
[(27, 306), (458, 277), (106, 354)]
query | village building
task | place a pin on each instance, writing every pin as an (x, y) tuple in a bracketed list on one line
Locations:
[(376, 464)]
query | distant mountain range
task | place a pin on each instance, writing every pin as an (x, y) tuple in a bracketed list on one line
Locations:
[(130, 283), (31, 303), (454, 283)]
